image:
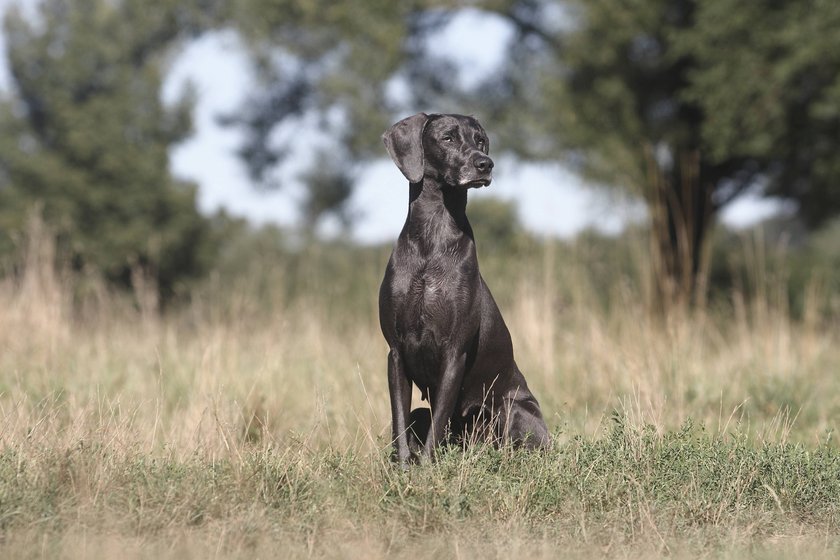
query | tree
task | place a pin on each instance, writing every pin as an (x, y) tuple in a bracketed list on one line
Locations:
[(767, 78), (85, 138), (686, 103), (605, 89), (332, 63)]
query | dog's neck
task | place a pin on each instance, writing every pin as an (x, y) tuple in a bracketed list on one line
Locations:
[(438, 209)]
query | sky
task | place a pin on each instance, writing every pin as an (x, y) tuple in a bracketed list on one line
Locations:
[(550, 199)]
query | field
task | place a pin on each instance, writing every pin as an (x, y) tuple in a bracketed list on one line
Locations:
[(253, 422)]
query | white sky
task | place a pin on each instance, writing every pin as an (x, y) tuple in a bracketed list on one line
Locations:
[(551, 200)]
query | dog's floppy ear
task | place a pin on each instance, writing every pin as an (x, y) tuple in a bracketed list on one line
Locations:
[(404, 142)]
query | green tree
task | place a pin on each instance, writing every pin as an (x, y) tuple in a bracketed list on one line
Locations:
[(85, 138), (605, 90), (686, 103), (767, 79)]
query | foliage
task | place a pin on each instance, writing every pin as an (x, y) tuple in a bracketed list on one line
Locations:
[(86, 139), (767, 79), (686, 103)]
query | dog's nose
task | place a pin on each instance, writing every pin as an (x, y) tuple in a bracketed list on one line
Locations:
[(483, 164)]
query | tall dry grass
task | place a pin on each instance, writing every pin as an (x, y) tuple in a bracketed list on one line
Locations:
[(218, 375)]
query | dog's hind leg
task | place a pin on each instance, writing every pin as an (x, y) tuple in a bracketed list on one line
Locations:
[(521, 424)]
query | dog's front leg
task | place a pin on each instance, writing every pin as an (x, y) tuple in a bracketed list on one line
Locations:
[(399, 386), (443, 406)]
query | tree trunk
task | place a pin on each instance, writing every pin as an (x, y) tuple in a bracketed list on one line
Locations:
[(682, 213)]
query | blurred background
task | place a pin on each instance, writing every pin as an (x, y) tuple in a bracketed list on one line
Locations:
[(156, 143), (196, 210)]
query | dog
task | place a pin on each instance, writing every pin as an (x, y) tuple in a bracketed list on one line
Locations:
[(443, 328)]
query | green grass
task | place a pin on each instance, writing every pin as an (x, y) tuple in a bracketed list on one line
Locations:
[(627, 493)]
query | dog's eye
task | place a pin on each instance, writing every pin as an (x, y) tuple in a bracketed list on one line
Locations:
[(447, 138)]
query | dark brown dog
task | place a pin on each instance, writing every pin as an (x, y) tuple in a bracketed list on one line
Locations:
[(443, 327)]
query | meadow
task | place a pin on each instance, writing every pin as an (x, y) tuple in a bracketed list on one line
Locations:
[(253, 421)]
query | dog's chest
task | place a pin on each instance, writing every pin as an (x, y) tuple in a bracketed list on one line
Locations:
[(426, 316), (433, 297), (430, 296)]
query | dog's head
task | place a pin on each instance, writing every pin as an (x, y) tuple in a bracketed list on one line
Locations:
[(452, 149)]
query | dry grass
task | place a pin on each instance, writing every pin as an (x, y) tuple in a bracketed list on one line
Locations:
[(127, 433)]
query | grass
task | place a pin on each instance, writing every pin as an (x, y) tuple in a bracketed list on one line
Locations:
[(626, 494), (244, 427)]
